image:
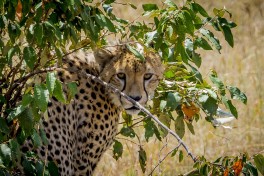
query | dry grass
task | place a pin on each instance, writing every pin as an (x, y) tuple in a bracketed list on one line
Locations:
[(241, 66)]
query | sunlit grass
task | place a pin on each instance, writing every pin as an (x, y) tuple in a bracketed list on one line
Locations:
[(241, 66)]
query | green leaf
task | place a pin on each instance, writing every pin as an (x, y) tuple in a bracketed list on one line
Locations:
[(40, 168), (150, 129), (110, 26), (196, 73), (174, 152), (28, 167), (36, 139), (58, 91), (118, 149), (3, 126), (187, 19), (132, 5), (41, 97), (11, 53), (166, 120), (183, 53), (105, 22), (49, 25), (150, 7), (163, 104), (43, 137), (15, 149), (210, 36), (135, 52), (216, 81), (169, 74), (26, 99), (228, 35), (128, 132), (170, 3), (5, 152), (197, 60), (210, 106), (190, 127), (224, 22), (211, 93), (50, 81), (259, 161), (29, 56), (109, 1), (200, 9), (180, 126), (53, 169), (180, 156), (202, 43), (38, 11), (26, 120), (38, 33), (252, 169), (219, 12), (72, 87), (14, 31), (127, 118), (228, 104), (237, 94), (18, 110), (150, 36), (203, 98), (142, 159), (173, 100)]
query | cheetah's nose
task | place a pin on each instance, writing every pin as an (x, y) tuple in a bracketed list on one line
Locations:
[(136, 98)]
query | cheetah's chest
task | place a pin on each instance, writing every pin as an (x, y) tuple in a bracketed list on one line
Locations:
[(98, 120)]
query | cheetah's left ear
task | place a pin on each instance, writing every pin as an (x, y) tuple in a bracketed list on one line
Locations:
[(103, 56)]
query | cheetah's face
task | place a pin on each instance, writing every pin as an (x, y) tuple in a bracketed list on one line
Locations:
[(135, 78)]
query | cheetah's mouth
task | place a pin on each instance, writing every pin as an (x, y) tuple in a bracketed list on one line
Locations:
[(132, 108)]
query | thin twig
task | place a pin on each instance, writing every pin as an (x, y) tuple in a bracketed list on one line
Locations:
[(160, 161), (127, 140)]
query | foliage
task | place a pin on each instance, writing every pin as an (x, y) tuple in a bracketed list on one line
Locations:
[(35, 35)]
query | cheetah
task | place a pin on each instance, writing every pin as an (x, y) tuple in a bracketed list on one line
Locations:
[(81, 131)]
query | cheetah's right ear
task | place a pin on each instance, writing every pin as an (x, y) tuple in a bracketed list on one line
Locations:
[(103, 56)]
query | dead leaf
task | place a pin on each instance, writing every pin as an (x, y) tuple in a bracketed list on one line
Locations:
[(226, 172), (19, 10), (189, 111), (237, 167)]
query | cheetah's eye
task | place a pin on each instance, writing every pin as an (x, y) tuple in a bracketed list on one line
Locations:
[(148, 76), (121, 75)]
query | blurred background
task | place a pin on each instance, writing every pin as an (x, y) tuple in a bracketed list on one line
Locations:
[(241, 66)]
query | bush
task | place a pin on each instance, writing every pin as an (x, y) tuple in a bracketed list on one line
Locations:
[(35, 35)]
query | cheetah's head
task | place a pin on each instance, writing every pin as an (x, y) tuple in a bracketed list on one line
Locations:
[(137, 79)]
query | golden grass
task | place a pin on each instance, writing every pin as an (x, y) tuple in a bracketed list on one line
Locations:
[(241, 66)]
